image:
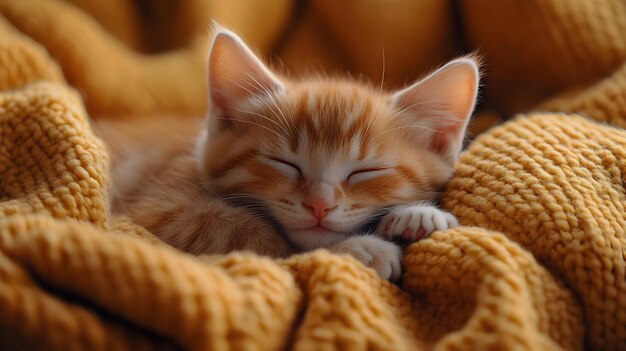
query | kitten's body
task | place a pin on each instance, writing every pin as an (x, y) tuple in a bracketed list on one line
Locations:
[(156, 182), (322, 158)]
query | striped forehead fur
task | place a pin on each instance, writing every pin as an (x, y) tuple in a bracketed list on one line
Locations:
[(319, 125), (334, 113)]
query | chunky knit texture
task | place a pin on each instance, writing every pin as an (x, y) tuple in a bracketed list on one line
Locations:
[(555, 185), (539, 263)]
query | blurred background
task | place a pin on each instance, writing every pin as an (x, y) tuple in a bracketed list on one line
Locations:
[(130, 57)]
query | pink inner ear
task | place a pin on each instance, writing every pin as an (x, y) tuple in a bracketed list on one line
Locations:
[(235, 73), (442, 103), (218, 99), (441, 140)]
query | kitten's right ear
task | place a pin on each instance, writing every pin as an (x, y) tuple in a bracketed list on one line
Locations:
[(437, 109), (235, 73)]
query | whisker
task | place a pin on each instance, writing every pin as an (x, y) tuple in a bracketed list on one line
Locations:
[(271, 96), (248, 122), (382, 80), (369, 125), (248, 90), (282, 127), (407, 127), (414, 105), (254, 94), (239, 195)]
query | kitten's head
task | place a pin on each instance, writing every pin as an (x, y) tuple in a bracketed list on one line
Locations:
[(325, 156)]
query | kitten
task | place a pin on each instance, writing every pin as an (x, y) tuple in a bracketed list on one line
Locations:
[(319, 161)]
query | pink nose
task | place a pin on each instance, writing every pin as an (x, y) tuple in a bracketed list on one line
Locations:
[(319, 208)]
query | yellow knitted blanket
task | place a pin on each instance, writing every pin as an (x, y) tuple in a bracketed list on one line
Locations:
[(539, 263)]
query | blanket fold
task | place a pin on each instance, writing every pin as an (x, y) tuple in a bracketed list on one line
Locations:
[(539, 263)]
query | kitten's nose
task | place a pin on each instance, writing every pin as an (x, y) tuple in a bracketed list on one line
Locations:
[(319, 208)]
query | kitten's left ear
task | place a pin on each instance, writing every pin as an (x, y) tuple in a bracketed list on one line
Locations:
[(235, 75), (437, 109)]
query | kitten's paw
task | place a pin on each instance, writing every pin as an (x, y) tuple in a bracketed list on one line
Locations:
[(383, 256), (415, 222)]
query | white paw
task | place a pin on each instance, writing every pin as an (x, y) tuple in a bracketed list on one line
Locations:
[(383, 256), (415, 222)]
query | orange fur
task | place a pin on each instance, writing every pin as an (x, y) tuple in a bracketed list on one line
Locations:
[(281, 165)]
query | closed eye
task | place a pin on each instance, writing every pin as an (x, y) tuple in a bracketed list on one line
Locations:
[(367, 173), (285, 166)]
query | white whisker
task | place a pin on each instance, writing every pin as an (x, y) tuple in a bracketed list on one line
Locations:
[(264, 117), (414, 105), (271, 96), (248, 90), (406, 127), (382, 80), (369, 125), (249, 122)]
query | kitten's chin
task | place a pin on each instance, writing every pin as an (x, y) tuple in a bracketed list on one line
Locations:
[(314, 238)]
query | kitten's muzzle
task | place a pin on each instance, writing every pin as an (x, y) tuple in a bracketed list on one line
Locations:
[(318, 208)]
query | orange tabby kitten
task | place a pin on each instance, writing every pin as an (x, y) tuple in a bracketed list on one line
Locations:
[(283, 165)]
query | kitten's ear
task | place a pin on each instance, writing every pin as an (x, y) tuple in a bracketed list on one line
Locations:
[(437, 109), (235, 73)]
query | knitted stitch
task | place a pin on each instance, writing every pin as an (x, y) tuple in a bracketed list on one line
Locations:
[(555, 184), (539, 263)]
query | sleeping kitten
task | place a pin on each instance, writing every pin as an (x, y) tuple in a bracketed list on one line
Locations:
[(320, 160)]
